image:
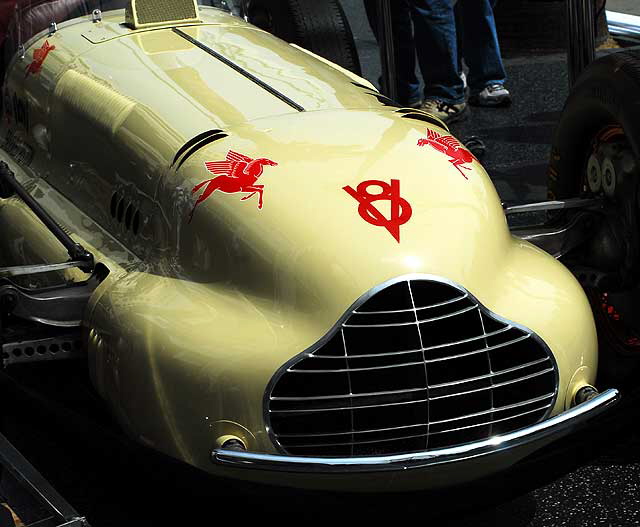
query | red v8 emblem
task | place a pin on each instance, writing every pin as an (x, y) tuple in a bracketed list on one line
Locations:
[(400, 208)]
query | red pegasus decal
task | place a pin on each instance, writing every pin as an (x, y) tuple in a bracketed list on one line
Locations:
[(238, 173), (39, 56), (450, 146)]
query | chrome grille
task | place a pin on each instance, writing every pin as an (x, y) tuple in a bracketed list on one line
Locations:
[(419, 365)]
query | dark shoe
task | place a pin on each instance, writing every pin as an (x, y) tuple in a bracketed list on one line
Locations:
[(492, 96), (447, 112)]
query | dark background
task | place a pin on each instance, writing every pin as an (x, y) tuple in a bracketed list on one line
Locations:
[(591, 479)]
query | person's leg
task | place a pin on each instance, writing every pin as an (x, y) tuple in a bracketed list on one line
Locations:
[(481, 49), (437, 49), (407, 80)]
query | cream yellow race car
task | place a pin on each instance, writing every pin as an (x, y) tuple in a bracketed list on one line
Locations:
[(271, 271)]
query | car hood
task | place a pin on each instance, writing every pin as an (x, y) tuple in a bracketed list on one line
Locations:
[(320, 223), (220, 73)]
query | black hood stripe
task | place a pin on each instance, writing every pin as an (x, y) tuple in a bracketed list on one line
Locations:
[(240, 70), (200, 145), (193, 141)]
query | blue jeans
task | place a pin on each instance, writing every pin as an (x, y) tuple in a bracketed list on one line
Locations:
[(441, 37)]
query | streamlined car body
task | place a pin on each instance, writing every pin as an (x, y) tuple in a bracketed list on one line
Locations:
[(294, 281)]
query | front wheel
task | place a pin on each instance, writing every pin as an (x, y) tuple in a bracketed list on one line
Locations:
[(596, 153)]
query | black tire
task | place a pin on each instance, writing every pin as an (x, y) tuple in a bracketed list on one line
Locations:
[(538, 24), (605, 97), (606, 94), (319, 26)]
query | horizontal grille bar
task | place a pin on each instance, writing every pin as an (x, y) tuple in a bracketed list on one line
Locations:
[(329, 397), (493, 386), (414, 436), (406, 364), (439, 346), (458, 394), (398, 324), (492, 422), (337, 409), (391, 429), (440, 304), (418, 359), (490, 375)]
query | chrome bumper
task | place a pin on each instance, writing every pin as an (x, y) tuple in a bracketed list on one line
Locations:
[(533, 437)]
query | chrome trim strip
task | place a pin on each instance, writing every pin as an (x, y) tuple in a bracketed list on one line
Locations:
[(572, 203), (623, 25), (554, 427)]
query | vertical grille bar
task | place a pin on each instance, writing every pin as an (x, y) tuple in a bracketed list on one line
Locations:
[(486, 345), (418, 364), (346, 360), (424, 358)]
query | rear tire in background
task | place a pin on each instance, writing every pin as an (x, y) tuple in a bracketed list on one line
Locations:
[(539, 24), (320, 26), (602, 114)]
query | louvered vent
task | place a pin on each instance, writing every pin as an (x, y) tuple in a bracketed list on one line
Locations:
[(419, 115), (382, 99), (146, 13), (421, 365)]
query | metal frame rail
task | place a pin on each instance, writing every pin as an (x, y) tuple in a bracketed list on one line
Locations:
[(29, 480), (43, 324)]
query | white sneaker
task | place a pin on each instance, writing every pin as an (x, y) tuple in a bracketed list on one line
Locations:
[(494, 95)]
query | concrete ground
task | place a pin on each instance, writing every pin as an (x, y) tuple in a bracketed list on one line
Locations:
[(631, 7)]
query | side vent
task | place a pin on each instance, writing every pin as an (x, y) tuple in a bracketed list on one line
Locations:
[(148, 13), (419, 115), (125, 212)]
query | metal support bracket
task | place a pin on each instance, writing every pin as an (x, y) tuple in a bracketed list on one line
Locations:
[(562, 235), (75, 250), (60, 306)]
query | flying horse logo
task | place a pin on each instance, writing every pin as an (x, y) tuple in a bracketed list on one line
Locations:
[(238, 173), (39, 56), (450, 146)]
